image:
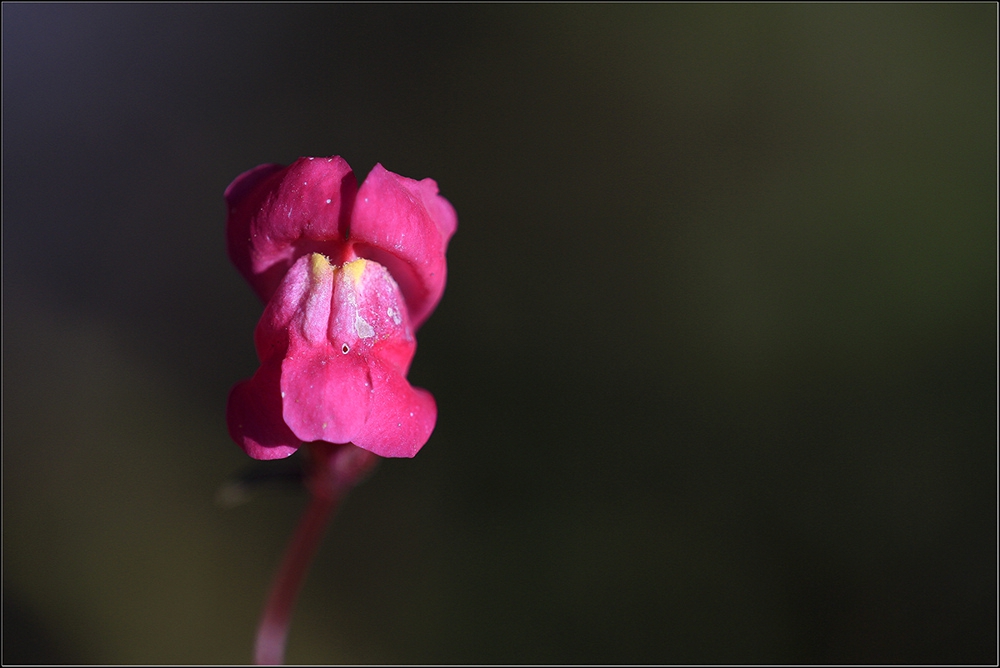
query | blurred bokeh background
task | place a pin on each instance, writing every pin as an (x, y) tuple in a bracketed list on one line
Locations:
[(716, 364)]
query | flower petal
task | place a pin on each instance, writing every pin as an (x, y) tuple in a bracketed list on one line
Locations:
[(401, 417), (278, 215), (370, 316), (253, 415), (405, 225), (325, 394)]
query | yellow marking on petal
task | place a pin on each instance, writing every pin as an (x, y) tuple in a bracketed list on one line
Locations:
[(355, 268), (318, 265)]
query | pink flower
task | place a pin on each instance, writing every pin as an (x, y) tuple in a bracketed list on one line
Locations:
[(278, 214), (348, 275)]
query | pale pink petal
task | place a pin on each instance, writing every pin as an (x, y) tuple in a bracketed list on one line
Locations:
[(271, 334), (370, 316)]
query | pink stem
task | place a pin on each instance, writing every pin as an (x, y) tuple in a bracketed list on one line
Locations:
[(272, 633)]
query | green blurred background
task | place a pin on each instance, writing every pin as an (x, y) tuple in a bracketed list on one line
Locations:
[(716, 365)]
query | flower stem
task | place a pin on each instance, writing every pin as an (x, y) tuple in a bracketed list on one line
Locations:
[(272, 633), (334, 470)]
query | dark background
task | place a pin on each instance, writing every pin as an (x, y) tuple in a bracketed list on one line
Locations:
[(716, 364)]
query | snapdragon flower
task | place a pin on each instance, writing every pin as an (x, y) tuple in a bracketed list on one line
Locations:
[(347, 275)]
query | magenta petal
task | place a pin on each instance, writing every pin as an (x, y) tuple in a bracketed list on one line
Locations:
[(325, 393), (402, 417), (253, 416), (276, 216), (405, 225), (244, 184)]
